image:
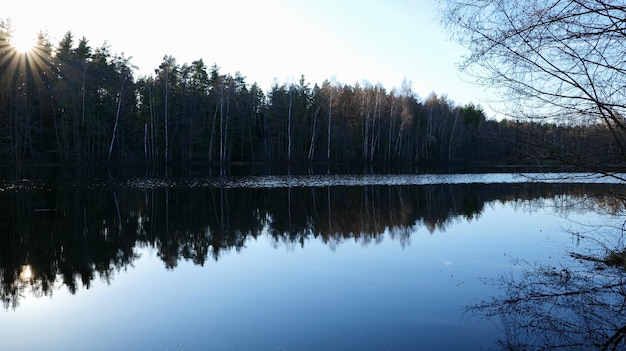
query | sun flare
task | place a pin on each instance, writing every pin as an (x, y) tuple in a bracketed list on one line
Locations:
[(22, 41), (26, 274)]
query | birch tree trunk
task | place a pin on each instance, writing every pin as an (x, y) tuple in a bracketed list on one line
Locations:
[(167, 75), (391, 126), (222, 125), (289, 127), (117, 118), (313, 132), (145, 140), (225, 155), (366, 124), (211, 138), (456, 115), (375, 132), (330, 109)]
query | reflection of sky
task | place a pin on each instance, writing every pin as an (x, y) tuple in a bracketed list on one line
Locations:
[(378, 297)]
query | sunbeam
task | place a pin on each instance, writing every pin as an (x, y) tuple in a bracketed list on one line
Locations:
[(24, 58)]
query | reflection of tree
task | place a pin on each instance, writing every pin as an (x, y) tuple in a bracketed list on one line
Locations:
[(70, 236), (551, 308), (580, 305), (67, 235)]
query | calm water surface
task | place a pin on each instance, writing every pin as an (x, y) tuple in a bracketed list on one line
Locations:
[(282, 263)]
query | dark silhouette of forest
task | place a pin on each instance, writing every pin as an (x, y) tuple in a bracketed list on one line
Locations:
[(73, 233), (71, 103)]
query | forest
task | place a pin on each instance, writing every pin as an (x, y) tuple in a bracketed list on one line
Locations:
[(72, 104)]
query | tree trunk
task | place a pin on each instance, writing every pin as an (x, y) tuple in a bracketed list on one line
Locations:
[(366, 127), (289, 128), (222, 125), (456, 115), (330, 109), (145, 141), (167, 75), (117, 117), (211, 138), (375, 132), (313, 132)]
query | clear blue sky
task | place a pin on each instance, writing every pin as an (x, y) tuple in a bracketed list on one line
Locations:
[(346, 40)]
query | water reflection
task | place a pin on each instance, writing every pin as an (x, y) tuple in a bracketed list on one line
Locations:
[(555, 308), (72, 234), (579, 304)]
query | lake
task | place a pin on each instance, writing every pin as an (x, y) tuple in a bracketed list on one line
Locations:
[(328, 262)]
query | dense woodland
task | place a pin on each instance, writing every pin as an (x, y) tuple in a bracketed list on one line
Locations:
[(70, 103)]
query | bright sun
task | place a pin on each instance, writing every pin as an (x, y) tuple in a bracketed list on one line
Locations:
[(22, 41)]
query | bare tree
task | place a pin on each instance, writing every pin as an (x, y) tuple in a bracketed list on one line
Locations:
[(556, 60)]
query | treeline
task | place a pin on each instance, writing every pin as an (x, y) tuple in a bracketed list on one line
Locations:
[(70, 103)]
